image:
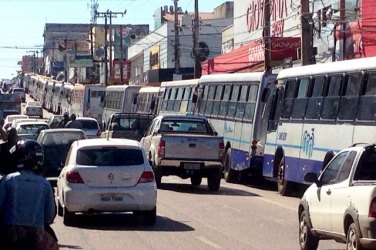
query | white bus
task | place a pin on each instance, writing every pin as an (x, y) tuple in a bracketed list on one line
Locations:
[(235, 103), (177, 96), (147, 99), (87, 100), (66, 98), (120, 99), (56, 97), (318, 110), (49, 88)]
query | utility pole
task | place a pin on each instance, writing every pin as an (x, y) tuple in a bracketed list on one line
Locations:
[(342, 18), (306, 49), (196, 52), (266, 37), (177, 42), (108, 14), (121, 55)]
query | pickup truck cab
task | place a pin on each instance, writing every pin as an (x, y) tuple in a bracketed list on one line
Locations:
[(186, 146), (127, 125), (341, 202)]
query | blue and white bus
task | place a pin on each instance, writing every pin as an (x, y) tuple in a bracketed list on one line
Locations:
[(120, 99), (235, 105), (318, 110)]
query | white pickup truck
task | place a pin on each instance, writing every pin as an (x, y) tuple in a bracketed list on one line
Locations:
[(341, 203), (186, 146)]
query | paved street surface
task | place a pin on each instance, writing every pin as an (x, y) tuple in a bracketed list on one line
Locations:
[(236, 217)]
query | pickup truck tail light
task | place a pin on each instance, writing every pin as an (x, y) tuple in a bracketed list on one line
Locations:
[(372, 209), (161, 148), (74, 177), (147, 176), (221, 151)]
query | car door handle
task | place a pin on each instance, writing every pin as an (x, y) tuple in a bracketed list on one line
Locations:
[(328, 192)]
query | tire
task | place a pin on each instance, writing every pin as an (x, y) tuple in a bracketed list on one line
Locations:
[(307, 241), (284, 187), (352, 238), (214, 181), (150, 217), (196, 180), (60, 210), (158, 176), (68, 217), (230, 174)]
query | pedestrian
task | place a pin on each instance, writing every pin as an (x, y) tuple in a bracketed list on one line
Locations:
[(73, 123), (65, 120), (27, 203), (8, 159)]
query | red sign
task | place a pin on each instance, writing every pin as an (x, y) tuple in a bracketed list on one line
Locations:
[(252, 54), (116, 71)]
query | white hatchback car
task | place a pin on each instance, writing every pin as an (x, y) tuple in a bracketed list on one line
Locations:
[(106, 175), (34, 109), (90, 126)]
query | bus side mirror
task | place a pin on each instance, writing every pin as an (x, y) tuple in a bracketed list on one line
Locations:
[(194, 98), (265, 95)]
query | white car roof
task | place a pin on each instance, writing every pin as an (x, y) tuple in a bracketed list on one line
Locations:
[(31, 122), (98, 142), (59, 130)]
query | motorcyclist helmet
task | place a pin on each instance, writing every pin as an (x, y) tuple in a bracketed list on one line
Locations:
[(29, 154)]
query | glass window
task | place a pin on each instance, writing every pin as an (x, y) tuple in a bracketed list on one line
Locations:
[(353, 84), (347, 166), (252, 96), (187, 93), (334, 85), (371, 85), (243, 93), (110, 156), (224, 103), (331, 171), (290, 88), (303, 86)]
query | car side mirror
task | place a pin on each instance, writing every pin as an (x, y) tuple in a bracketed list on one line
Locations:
[(311, 177)]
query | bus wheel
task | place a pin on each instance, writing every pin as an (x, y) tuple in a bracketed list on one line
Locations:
[(283, 185), (229, 173)]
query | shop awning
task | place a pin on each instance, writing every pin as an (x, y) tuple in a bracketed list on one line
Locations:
[(251, 55)]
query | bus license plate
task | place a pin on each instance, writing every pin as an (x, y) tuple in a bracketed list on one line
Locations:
[(111, 198), (188, 165)]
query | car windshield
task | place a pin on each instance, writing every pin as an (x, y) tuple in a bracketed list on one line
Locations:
[(112, 156), (60, 138), (31, 128), (88, 124)]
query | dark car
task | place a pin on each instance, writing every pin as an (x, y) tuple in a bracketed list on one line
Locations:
[(56, 143)]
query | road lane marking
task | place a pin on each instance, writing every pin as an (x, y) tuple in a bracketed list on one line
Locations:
[(276, 203), (208, 242)]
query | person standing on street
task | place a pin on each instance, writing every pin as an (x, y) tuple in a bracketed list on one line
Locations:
[(27, 203), (8, 159), (73, 123), (65, 120)]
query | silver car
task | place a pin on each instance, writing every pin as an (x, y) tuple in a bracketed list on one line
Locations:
[(90, 126), (106, 175)]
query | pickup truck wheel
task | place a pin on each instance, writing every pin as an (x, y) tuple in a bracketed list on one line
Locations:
[(352, 238), (284, 187), (196, 180), (306, 240), (214, 181), (230, 174)]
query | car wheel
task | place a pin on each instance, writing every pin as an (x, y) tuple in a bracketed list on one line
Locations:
[(68, 217), (150, 217), (60, 210), (352, 238), (214, 181), (230, 174), (284, 187), (307, 241), (196, 180), (157, 174)]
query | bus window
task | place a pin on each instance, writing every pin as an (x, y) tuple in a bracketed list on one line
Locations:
[(203, 100), (242, 102), (233, 101), (290, 89), (179, 96), (315, 98), (300, 102), (331, 100), (171, 99), (224, 103), (217, 100), (349, 101), (251, 103), (367, 104), (210, 101)]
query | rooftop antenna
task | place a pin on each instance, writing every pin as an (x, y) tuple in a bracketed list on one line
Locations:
[(94, 9)]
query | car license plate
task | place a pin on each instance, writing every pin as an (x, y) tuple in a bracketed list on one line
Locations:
[(108, 198), (189, 165)]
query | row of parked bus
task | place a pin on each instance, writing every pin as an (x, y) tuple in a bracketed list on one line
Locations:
[(275, 126)]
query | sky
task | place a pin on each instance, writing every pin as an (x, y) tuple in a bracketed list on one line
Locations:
[(22, 22)]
